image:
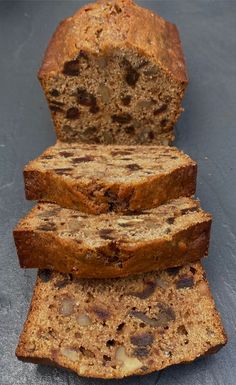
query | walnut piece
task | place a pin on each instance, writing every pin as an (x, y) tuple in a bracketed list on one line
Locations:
[(129, 364), (67, 306), (105, 93), (71, 354), (83, 320)]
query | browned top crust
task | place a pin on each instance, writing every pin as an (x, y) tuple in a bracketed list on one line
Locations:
[(109, 25)]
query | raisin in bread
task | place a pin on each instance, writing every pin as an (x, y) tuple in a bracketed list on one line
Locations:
[(98, 179), (116, 328), (112, 245), (114, 73)]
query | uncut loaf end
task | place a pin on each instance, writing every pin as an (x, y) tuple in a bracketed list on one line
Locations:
[(114, 73)]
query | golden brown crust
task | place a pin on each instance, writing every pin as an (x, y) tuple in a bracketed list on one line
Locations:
[(44, 187), (116, 256), (157, 38), (194, 325), (96, 194), (46, 251)]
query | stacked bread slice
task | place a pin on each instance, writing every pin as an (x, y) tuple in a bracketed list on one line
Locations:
[(81, 318), (117, 234), (113, 328)]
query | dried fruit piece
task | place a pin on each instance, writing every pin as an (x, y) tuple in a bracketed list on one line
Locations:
[(47, 156), (147, 291), (165, 315), (57, 103), (131, 75), (144, 339), (160, 109), (129, 129), (86, 352), (45, 275), (182, 330), (164, 122), (62, 171), (106, 233), (83, 159), (71, 68), (170, 220), (193, 270), (94, 109), (106, 359), (83, 55), (143, 317), (189, 210), (133, 167), (85, 98), (72, 113), (121, 118), (66, 154), (101, 313), (55, 108), (90, 130), (120, 327), (49, 226), (161, 319), (141, 352), (110, 343), (129, 364), (185, 282), (83, 319), (54, 92), (173, 271), (120, 152), (126, 100)]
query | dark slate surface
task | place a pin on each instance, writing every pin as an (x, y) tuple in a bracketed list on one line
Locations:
[(207, 131)]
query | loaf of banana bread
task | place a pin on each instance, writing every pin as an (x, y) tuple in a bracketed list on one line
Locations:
[(97, 178), (120, 327), (114, 73), (112, 245)]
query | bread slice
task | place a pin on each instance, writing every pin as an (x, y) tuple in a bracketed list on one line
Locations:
[(114, 73), (120, 327), (98, 179), (112, 245)]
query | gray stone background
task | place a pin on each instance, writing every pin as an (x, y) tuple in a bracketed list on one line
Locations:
[(206, 131)]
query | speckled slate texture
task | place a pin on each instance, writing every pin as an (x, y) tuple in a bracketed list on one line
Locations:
[(207, 131)]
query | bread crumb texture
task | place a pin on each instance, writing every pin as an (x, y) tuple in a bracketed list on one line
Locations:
[(119, 327)]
